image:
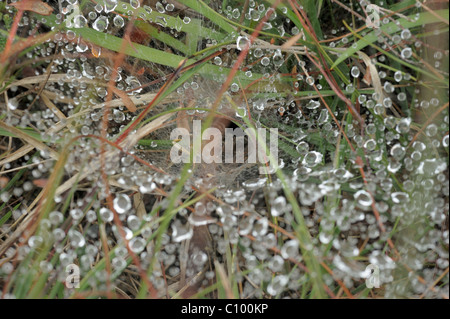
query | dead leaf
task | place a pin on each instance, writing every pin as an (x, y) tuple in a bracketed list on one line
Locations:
[(4, 181), (374, 77), (96, 51), (36, 6), (140, 71), (367, 78), (40, 182)]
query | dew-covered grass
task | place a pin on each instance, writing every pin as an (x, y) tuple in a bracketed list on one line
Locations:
[(353, 205)]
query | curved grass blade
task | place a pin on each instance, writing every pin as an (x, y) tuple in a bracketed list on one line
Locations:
[(390, 28)]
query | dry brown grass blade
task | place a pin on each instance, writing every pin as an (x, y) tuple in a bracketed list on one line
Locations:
[(375, 78), (36, 6), (129, 142), (19, 168), (25, 43), (125, 99), (224, 280), (289, 43), (39, 79), (30, 140), (434, 283), (139, 205), (437, 16), (189, 285), (24, 150), (144, 98), (57, 97), (349, 10), (131, 101), (145, 130), (52, 107), (23, 224)]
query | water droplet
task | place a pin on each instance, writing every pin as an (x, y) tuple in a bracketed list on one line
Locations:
[(350, 88), (278, 206), (400, 197), (110, 5), (388, 87), (199, 258), (106, 215), (278, 58), (310, 80), (217, 60), (363, 198), (401, 96), (355, 72), (406, 53), (133, 222), (118, 21), (302, 173), (160, 7), (403, 125), (323, 116), (254, 184), (148, 9), (98, 7), (242, 43), (170, 7), (135, 4), (137, 245), (260, 227), (398, 152), (258, 53), (76, 239), (101, 24), (445, 141), (122, 203), (325, 238), (118, 116), (277, 285), (234, 87), (406, 34), (370, 145), (265, 61), (312, 105), (35, 241), (79, 21), (81, 46), (92, 15), (56, 218), (76, 213), (312, 159), (290, 249), (181, 232), (254, 14), (200, 220), (431, 130), (302, 148), (13, 103), (276, 263)]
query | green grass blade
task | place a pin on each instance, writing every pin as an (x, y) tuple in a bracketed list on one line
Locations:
[(391, 28)]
